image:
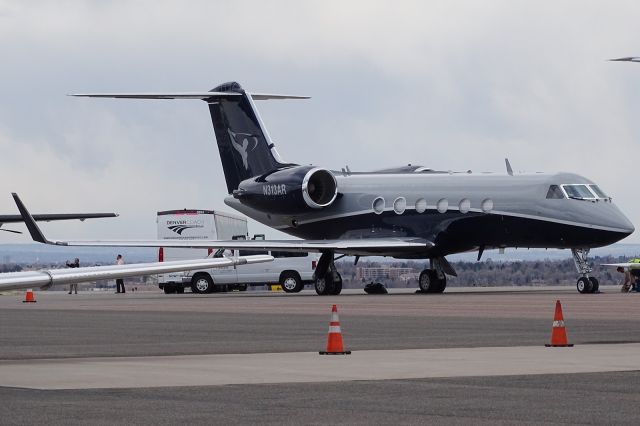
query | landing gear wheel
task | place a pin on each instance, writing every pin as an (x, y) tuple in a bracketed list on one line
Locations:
[(595, 284), (169, 289), (584, 285), (291, 282), (440, 284), (428, 281), (321, 286), (202, 284), (337, 285)]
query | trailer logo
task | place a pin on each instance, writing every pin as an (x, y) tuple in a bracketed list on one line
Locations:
[(179, 226), (244, 147)]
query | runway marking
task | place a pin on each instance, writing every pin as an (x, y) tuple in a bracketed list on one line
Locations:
[(309, 367)]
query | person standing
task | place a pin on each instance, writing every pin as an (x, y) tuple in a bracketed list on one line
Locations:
[(120, 281), (74, 264), (626, 284)]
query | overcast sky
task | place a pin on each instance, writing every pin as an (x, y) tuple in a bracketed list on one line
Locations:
[(446, 84)]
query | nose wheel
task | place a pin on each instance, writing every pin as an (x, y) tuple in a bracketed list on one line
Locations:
[(586, 284)]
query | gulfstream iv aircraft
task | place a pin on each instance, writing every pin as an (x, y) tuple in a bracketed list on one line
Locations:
[(410, 212)]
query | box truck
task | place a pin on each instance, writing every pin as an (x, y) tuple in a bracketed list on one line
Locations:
[(291, 270)]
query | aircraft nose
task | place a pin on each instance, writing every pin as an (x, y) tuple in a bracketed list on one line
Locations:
[(622, 222)]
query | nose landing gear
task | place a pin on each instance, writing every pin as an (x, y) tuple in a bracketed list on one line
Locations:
[(586, 283)]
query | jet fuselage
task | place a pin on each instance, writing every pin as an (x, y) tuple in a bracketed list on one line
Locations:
[(456, 211)]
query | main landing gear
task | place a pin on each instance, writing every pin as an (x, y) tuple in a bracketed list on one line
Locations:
[(585, 284), (327, 280), (433, 280)]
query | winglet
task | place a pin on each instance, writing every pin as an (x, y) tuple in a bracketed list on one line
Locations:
[(509, 169), (34, 230), (626, 59)]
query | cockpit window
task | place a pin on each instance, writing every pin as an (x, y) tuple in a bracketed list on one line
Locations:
[(555, 192), (580, 192), (598, 191)]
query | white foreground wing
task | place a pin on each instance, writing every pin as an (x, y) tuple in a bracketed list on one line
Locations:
[(623, 265), (51, 277)]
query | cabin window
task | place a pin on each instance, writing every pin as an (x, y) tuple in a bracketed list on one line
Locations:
[(421, 205), (580, 192), (378, 205), (399, 205), (487, 205), (442, 205), (554, 192), (465, 205)]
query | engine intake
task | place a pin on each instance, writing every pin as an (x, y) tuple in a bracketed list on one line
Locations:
[(319, 188), (292, 190)]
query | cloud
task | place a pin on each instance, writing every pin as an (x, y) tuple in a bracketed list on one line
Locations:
[(451, 85)]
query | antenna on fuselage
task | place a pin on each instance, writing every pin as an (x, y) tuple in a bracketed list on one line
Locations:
[(509, 169)]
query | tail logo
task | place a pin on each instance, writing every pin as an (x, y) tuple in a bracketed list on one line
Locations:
[(244, 147)]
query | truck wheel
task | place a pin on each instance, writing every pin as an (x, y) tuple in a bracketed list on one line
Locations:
[(337, 285), (201, 284), (291, 282)]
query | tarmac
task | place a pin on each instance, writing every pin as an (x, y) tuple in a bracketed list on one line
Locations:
[(469, 356)]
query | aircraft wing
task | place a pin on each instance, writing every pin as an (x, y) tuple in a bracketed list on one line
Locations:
[(395, 246), (623, 265), (47, 278), (14, 218), (362, 247)]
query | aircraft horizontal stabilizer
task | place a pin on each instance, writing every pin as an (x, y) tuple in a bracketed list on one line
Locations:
[(51, 277), (186, 95)]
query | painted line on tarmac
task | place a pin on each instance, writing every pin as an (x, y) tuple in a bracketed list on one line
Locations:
[(309, 367)]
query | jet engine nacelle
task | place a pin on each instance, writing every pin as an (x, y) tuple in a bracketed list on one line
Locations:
[(292, 190)]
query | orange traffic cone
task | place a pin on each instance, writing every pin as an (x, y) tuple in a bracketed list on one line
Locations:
[(28, 297), (334, 339), (558, 333)]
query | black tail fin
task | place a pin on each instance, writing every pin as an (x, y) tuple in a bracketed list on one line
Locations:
[(245, 147)]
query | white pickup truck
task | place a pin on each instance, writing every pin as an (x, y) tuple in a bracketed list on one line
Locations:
[(291, 270)]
